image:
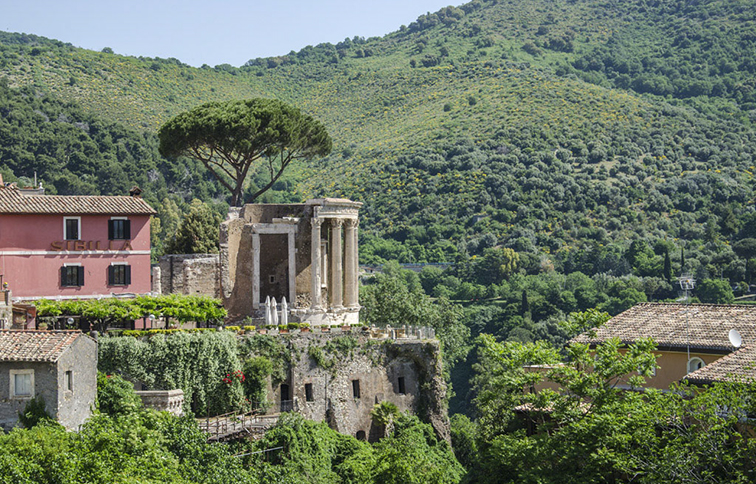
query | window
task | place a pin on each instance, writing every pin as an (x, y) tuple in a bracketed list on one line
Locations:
[(71, 228), (22, 383), (694, 364), (119, 229), (356, 388), (402, 389), (69, 380), (360, 435), (308, 392), (119, 275), (284, 392), (71, 275)]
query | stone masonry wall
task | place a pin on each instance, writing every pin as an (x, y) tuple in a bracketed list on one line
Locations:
[(405, 372), (191, 274)]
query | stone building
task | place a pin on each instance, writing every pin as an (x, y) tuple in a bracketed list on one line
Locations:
[(59, 366), (306, 253), (338, 378)]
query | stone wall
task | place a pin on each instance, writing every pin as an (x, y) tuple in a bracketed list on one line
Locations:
[(325, 368), (190, 274), (171, 401)]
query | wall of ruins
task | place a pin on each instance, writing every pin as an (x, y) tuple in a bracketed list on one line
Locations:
[(237, 256), (190, 274), (405, 372)]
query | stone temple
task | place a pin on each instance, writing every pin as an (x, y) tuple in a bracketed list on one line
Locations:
[(305, 253)]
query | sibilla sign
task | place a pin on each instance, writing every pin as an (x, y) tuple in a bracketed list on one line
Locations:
[(92, 245)]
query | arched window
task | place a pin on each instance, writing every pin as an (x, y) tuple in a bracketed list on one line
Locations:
[(695, 363), (360, 435)]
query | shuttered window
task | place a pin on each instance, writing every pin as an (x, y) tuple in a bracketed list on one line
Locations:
[(119, 275), (119, 229), (71, 276)]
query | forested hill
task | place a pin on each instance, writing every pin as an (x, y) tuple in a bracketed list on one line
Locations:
[(562, 129)]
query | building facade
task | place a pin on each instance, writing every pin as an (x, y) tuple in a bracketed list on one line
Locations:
[(689, 337), (60, 367), (74, 247)]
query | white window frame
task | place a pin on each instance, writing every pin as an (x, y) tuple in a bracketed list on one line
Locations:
[(78, 220), (12, 384), (695, 359)]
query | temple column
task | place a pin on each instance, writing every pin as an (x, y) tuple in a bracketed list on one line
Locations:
[(337, 271), (255, 270), (315, 264), (351, 286), (292, 270)]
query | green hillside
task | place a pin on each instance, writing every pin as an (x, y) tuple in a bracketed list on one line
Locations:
[(548, 127)]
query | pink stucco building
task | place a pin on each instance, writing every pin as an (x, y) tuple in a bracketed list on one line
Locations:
[(74, 247)]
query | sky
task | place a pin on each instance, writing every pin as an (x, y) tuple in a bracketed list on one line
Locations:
[(206, 31)]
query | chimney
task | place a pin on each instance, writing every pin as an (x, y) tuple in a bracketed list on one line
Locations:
[(135, 192)]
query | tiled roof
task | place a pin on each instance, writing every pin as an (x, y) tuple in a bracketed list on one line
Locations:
[(702, 326), (13, 201), (737, 366), (44, 346)]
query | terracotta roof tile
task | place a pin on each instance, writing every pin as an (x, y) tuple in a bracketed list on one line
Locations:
[(13, 201), (737, 366), (44, 346), (703, 326)]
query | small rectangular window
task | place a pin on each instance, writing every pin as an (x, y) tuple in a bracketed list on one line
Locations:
[(402, 389), (69, 380), (119, 275), (119, 229), (22, 383), (71, 228), (71, 276), (356, 388), (308, 392)]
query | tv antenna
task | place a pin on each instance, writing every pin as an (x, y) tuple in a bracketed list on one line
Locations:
[(687, 284)]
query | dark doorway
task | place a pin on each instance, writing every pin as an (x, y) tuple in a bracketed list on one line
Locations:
[(274, 267)]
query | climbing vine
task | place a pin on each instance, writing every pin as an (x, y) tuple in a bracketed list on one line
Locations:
[(197, 363)]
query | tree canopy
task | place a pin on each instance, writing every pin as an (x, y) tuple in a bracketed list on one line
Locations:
[(229, 137)]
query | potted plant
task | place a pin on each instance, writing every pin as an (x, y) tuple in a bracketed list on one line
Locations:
[(293, 326), (305, 327), (324, 328), (283, 328)]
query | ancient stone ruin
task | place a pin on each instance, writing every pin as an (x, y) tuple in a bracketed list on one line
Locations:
[(304, 253)]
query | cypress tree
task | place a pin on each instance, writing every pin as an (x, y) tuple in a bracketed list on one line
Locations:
[(682, 259), (524, 305), (667, 266)]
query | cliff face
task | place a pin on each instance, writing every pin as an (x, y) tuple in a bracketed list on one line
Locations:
[(338, 378)]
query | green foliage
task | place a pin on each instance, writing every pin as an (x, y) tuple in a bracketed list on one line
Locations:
[(389, 301), (228, 138), (715, 291), (115, 396), (141, 447), (197, 233), (413, 454), (256, 371), (35, 413), (384, 414), (193, 362), (592, 429), (101, 313)]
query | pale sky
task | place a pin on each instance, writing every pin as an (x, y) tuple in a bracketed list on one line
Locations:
[(209, 32)]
